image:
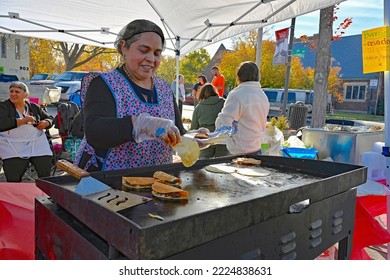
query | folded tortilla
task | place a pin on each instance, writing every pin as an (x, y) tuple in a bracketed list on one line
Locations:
[(165, 177), (201, 136), (247, 161), (137, 182), (169, 192)]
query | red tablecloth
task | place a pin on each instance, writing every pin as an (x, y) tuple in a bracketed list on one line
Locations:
[(17, 220), (368, 231)]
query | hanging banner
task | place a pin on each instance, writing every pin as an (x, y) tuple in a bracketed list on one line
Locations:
[(376, 49), (281, 51)]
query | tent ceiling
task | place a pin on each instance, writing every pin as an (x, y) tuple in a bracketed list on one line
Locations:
[(197, 23)]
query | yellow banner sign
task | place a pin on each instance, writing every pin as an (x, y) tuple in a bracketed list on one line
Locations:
[(376, 49)]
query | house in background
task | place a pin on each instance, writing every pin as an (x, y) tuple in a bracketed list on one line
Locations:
[(346, 53), (14, 56)]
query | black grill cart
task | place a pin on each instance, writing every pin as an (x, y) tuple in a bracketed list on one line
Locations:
[(297, 212)]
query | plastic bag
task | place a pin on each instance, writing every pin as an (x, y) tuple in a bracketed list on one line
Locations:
[(146, 127), (219, 136), (294, 142), (274, 138)]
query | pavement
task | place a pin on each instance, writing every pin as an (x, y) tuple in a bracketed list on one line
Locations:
[(187, 112)]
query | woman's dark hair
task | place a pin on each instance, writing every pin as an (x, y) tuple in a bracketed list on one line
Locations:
[(203, 78), (207, 91), (132, 32), (248, 71)]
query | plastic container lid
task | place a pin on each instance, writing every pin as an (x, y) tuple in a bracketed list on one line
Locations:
[(310, 153)]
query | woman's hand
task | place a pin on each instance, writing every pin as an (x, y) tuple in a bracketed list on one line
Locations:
[(146, 127), (25, 120), (42, 125), (172, 137)]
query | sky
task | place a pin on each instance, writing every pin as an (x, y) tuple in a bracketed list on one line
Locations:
[(365, 15)]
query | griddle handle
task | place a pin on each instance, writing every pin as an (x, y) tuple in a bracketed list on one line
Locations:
[(299, 206), (71, 169)]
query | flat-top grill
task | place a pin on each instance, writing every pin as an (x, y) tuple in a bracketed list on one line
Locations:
[(297, 212)]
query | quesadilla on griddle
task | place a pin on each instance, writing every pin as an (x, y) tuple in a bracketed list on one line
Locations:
[(167, 179), (137, 183), (168, 192)]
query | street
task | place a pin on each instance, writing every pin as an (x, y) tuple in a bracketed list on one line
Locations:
[(187, 111)]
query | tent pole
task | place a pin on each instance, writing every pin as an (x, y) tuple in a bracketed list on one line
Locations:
[(177, 52), (287, 79), (259, 47), (386, 92)]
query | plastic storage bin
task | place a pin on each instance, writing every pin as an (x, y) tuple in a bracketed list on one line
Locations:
[(310, 153)]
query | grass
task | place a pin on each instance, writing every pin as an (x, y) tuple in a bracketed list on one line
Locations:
[(342, 115)]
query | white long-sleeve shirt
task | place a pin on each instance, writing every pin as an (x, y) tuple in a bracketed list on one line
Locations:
[(248, 105), (182, 91)]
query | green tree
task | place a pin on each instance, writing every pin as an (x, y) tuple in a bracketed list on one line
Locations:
[(167, 68), (193, 64), (190, 66)]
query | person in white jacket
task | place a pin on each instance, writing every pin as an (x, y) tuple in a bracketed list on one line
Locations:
[(248, 105)]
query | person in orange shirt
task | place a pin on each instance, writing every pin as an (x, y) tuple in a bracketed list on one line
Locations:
[(218, 81)]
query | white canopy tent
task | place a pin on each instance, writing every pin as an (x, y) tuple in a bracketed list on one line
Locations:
[(188, 25)]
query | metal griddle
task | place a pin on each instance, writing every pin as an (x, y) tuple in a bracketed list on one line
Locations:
[(227, 215)]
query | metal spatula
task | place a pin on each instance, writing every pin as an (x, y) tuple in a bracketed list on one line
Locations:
[(87, 184)]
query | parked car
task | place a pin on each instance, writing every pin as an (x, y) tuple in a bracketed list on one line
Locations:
[(68, 88), (41, 79), (69, 81), (276, 96), (43, 76), (4, 78), (70, 76), (189, 99), (64, 76)]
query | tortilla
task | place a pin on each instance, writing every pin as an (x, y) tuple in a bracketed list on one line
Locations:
[(253, 172), (247, 161), (168, 192), (165, 177), (201, 136), (137, 183), (220, 168), (188, 150)]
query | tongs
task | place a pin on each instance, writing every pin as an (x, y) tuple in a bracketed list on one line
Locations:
[(189, 147), (219, 136)]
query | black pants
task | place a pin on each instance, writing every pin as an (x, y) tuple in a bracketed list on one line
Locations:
[(181, 107), (14, 168)]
